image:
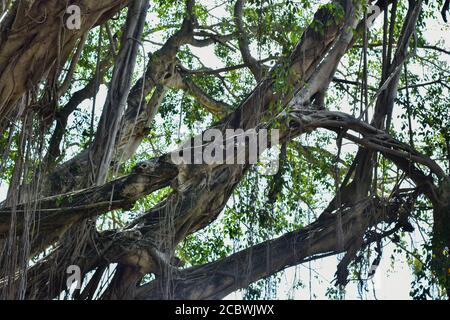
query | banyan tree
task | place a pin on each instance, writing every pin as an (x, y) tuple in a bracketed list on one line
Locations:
[(96, 96)]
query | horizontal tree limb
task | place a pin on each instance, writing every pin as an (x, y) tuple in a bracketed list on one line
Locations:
[(218, 279), (56, 213)]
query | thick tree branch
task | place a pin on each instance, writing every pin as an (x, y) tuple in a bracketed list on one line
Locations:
[(102, 148), (218, 279)]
